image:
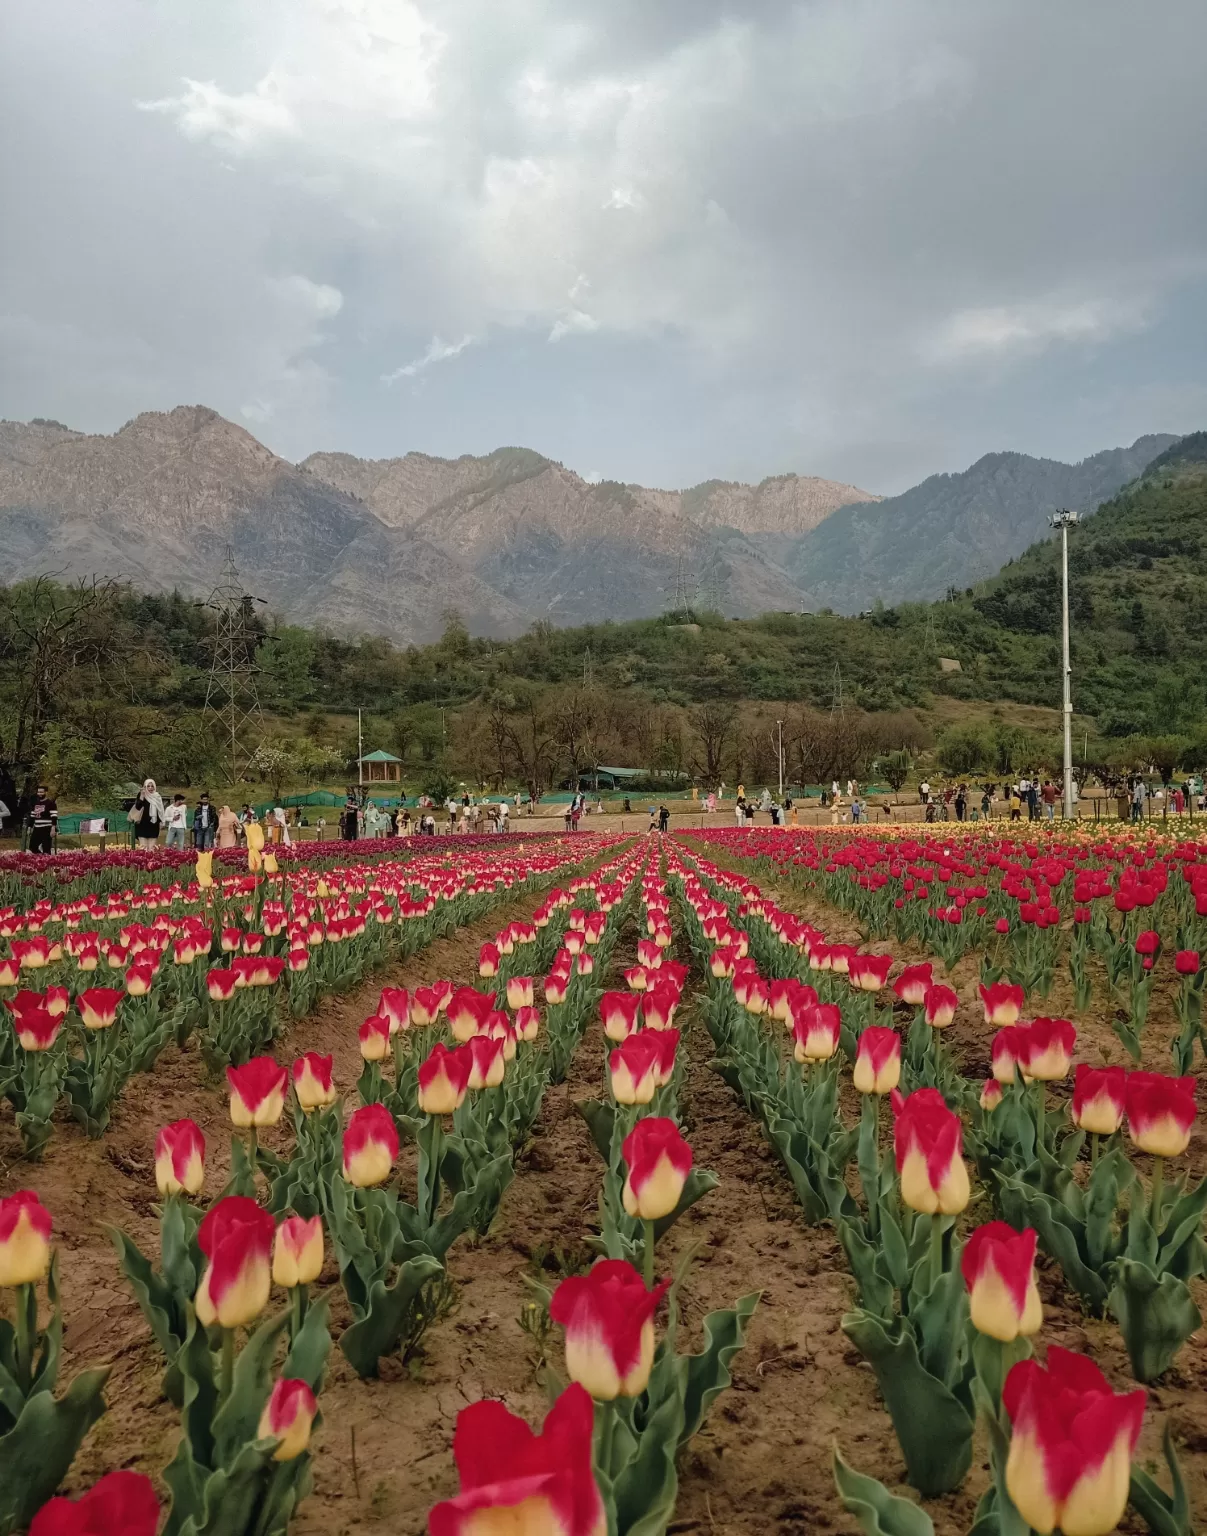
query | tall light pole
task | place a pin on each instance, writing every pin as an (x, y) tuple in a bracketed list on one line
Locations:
[(1064, 520), (779, 726)]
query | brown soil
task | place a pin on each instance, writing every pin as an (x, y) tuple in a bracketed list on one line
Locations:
[(761, 1463)]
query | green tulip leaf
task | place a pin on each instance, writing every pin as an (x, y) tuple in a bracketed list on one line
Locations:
[(37, 1452), (1156, 1315), (879, 1512), (379, 1330)]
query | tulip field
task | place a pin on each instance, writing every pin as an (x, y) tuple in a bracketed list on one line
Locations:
[(741, 1181)]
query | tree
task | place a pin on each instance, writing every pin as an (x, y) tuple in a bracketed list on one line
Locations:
[(895, 767), (964, 749), (532, 744), (275, 762), (712, 726)]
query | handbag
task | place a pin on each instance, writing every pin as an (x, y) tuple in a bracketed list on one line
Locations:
[(134, 814)]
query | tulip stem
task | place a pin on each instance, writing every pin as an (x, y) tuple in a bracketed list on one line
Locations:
[(1041, 1112), (297, 1311), (228, 1365), (252, 1149), (1094, 1139), (1158, 1181), (648, 1254), (607, 1427), (936, 1246), (26, 1330)]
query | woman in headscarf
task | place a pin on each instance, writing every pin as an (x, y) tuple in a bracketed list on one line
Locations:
[(228, 827), (279, 826), (149, 805)]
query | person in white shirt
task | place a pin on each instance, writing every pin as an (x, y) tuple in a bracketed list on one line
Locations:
[(4, 811), (504, 811), (175, 819)]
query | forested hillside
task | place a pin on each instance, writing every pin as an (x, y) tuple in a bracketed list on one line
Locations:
[(98, 682)]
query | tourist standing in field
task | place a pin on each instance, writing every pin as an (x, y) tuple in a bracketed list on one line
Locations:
[(205, 824), (147, 814), (43, 818), (228, 828), (176, 820), (1139, 796)]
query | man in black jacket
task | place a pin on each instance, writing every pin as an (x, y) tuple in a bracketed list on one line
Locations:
[(43, 818)]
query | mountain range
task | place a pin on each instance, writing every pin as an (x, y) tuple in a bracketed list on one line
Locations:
[(388, 546)]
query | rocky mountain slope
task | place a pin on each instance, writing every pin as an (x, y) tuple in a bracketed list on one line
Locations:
[(952, 530), (387, 546)]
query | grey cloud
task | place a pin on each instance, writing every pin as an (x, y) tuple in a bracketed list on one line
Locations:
[(865, 238)]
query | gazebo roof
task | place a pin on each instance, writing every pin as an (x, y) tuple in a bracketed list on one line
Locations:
[(380, 757)]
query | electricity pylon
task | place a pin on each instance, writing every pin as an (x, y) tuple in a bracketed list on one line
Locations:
[(231, 696)]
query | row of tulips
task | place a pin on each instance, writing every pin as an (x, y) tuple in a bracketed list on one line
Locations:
[(301, 936), (242, 1462), (1020, 903), (606, 1458), (945, 1329)]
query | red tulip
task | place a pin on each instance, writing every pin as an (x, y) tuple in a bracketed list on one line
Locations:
[(913, 984), (658, 1006), (1010, 1047), (1072, 1444), (288, 1416), (869, 973), (374, 1038), (1003, 1003), (443, 1079), (527, 1023), (877, 1061), (425, 1006), (635, 978), (659, 1161), (1148, 943), (1049, 1045), (523, 1483), (928, 1140), (998, 1265), (488, 960), (466, 1009), (236, 1237), (221, 985), (1186, 962), (940, 1004), (634, 1068), (395, 1005), (370, 1146), (555, 987), (121, 1501), (486, 1062), (1160, 1112), (519, 992), (180, 1158), (257, 1092), (312, 1081), (58, 1000), (297, 1257), (816, 1028), (1099, 1099), (619, 1013), (608, 1316), (25, 1226), (37, 1030), (991, 1094)]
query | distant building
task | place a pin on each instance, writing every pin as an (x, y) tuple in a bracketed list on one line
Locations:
[(604, 778)]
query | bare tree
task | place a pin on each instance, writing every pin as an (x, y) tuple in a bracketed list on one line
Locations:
[(712, 726)]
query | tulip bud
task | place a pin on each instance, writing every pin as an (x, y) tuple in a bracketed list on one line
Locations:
[(635, 978), (488, 960), (1186, 962), (257, 1092), (37, 1030), (288, 1416), (634, 1069), (659, 1161), (991, 1094), (998, 1265), (443, 1079), (555, 988), (1099, 1099), (868, 973), (236, 1238), (1160, 1112), (928, 1140), (220, 985), (816, 1029), (619, 1012), (312, 1081), (425, 1007), (25, 1225), (1049, 1045), (1003, 1003), (608, 1316), (877, 1061), (297, 1257), (395, 1005), (940, 1004), (913, 984), (527, 1023), (1072, 1443), (180, 1158), (516, 1481), (120, 1501), (487, 1063), (374, 1038), (1008, 1052), (370, 1146), (519, 992), (466, 1010)]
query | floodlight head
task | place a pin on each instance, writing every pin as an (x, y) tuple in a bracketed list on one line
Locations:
[(1063, 519)]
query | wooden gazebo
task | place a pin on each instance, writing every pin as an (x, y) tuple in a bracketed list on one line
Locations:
[(381, 768)]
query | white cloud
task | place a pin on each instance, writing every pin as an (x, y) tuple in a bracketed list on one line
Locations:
[(1003, 330), (437, 352), (575, 322), (320, 300), (234, 121)]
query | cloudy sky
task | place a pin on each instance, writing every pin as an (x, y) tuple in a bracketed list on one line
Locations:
[(660, 240)]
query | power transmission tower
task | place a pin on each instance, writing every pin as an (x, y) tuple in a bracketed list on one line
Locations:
[(837, 706), (588, 668), (683, 603), (231, 696)]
